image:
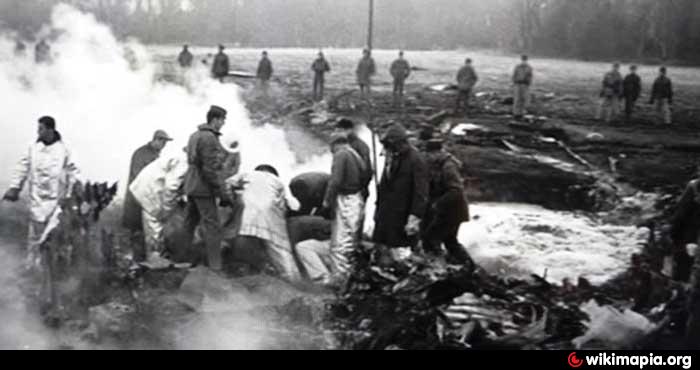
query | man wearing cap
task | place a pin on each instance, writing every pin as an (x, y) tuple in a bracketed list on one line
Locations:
[(132, 218), (48, 169), (448, 205), (400, 70), (221, 66), (203, 184), (403, 192), (345, 197), (349, 129)]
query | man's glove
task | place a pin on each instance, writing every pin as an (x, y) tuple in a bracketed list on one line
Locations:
[(412, 226), (12, 195)]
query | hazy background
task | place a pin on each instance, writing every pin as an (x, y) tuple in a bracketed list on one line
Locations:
[(588, 29)]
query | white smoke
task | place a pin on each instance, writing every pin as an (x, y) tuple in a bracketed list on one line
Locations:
[(105, 109), (105, 98)]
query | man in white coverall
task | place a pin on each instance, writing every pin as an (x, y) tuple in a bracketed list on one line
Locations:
[(157, 189), (48, 170)]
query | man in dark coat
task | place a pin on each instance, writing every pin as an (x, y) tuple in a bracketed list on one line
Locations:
[(631, 88), (320, 68), (264, 72), (203, 184), (685, 229), (448, 206), (185, 58), (662, 95), (466, 80), (309, 189), (220, 67), (403, 192), (610, 94), (142, 157), (400, 70), (365, 70)]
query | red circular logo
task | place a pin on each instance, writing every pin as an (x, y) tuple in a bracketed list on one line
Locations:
[(573, 361)]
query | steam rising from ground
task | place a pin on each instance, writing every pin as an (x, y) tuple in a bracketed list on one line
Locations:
[(104, 97), (106, 108)]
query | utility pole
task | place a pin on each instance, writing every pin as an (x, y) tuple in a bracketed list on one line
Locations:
[(370, 25), (370, 124)]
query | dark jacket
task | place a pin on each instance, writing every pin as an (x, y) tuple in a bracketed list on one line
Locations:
[(365, 70), (466, 78), (685, 223), (632, 86), (400, 69), (204, 159), (612, 84), (320, 66), (264, 69), (347, 175), (685, 229), (403, 191), (185, 59), (142, 157), (363, 150), (662, 89), (221, 66), (446, 184), (302, 228), (522, 75), (309, 189)]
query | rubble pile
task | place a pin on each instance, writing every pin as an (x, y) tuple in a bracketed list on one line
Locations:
[(419, 303)]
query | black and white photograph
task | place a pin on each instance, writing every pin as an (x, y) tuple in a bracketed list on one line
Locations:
[(469, 175)]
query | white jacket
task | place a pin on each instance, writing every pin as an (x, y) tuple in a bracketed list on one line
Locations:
[(264, 206), (50, 173), (156, 187)]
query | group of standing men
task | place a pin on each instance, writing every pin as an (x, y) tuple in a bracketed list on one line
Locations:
[(420, 197), (614, 88)]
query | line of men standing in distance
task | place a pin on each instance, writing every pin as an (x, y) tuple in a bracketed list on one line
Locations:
[(614, 88)]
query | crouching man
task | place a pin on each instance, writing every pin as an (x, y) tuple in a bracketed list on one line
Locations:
[(263, 225), (157, 189)]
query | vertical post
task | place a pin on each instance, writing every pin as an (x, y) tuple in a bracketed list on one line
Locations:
[(370, 30), (370, 25)]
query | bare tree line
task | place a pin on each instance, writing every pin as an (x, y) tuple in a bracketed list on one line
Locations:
[(590, 29)]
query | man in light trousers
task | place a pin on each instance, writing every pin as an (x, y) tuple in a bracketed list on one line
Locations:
[(344, 196), (522, 79)]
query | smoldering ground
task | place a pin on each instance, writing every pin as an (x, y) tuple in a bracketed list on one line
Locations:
[(107, 102)]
